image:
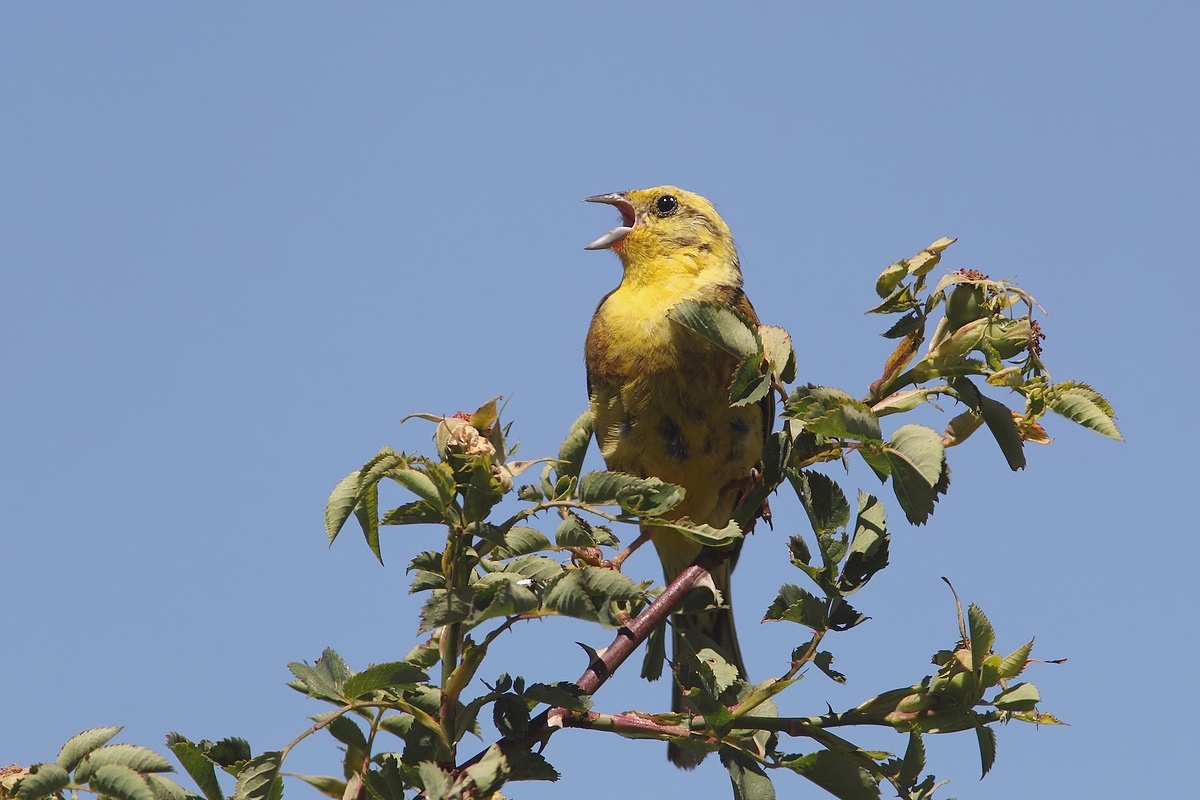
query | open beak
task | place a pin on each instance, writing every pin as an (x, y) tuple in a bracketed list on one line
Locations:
[(628, 218)]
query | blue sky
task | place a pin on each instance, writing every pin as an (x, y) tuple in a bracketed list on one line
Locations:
[(240, 241)]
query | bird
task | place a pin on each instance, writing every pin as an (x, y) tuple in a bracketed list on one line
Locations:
[(660, 393)]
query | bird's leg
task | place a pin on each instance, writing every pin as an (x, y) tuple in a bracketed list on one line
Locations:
[(616, 561)]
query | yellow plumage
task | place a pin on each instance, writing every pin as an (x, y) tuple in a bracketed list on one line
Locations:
[(660, 393)]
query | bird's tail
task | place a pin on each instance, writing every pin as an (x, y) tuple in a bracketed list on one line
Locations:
[(715, 628)]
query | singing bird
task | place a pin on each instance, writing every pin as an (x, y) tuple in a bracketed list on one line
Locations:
[(660, 393)]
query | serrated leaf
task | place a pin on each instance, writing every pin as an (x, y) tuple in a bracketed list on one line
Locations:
[(340, 504), (537, 568), (367, 514), (843, 616), (589, 593), (1014, 663), (637, 496), (574, 447), (835, 774), (487, 774), (391, 675), (417, 512), (793, 604), (656, 654), (1081, 403), (525, 765), (43, 780), (346, 731), (824, 662), (167, 789), (510, 715), (917, 459), (139, 759), (890, 278), (747, 776), (79, 745), (899, 402), (501, 594), (777, 347), (702, 534), (574, 531), (434, 780), (561, 694), (913, 762), (196, 765), (326, 785), (832, 413), (120, 782), (983, 635), (987, 747), (868, 547), (1022, 697), (823, 500), (999, 419), (445, 607), (720, 325), (420, 484), (256, 780)]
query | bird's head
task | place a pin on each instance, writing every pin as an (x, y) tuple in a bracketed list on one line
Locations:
[(666, 232)]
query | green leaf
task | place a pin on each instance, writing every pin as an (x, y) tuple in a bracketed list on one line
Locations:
[(434, 780), (777, 347), (636, 496), (1081, 403), (258, 778), (81, 744), (121, 782), (392, 675), (325, 678), (656, 654), (702, 534), (720, 325), (793, 604), (749, 779), (983, 635), (445, 607), (561, 694), (386, 782), (890, 278), (138, 759), (836, 775), (501, 594), (524, 765), (367, 514), (537, 568), (868, 547), (197, 766), (917, 459), (832, 413), (823, 499), (589, 593), (510, 715), (340, 504), (824, 661), (843, 616), (520, 540), (987, 747), (1022, 697), (167, 789), (574, 531), (914, 761), (999, 420), (326, 785), (750, 383), (1014, 663), (43, 780), (574, 447), (346, 731), (417, 512), (419, 484)]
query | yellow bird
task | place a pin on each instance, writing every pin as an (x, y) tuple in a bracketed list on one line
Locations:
[(660, 393)]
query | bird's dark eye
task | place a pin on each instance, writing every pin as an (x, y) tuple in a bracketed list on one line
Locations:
[(666, 204)]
